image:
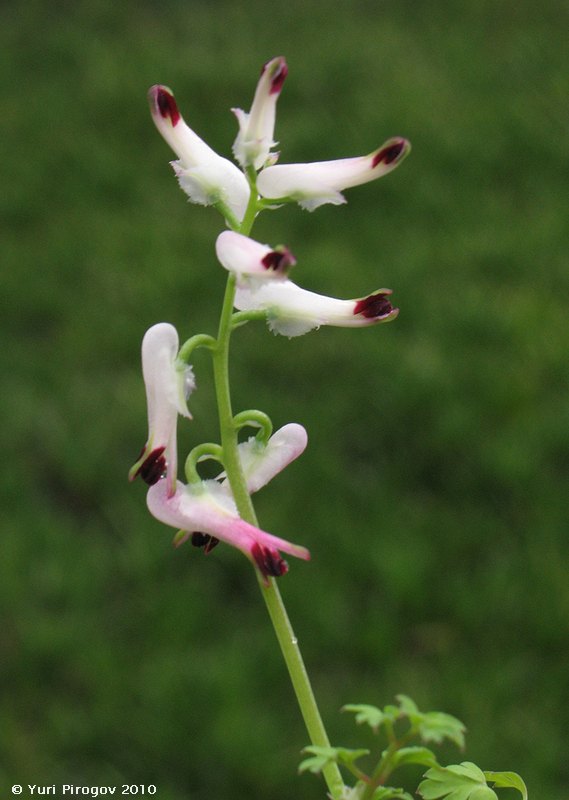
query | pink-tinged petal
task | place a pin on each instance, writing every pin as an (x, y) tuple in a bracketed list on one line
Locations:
[(244, 257), (256, 129), (206, 177), (293, 311), (168, 386), (319, 182), (208, 510)]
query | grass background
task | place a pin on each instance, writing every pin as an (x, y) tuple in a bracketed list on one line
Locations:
[(433, 495)]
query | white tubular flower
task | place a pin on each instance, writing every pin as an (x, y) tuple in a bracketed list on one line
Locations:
[(206, 177), (246, 257), (168, 386), (206, 511), (292, 311), (319, 182), (255, 138)]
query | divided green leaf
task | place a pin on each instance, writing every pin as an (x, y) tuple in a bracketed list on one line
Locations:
[(322, 756), (510, 780), (463, 781), (371, 715), (413, 755), (436, 726), (407, 707), (432, 726)]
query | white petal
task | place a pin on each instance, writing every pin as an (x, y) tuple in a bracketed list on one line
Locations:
[(159, 350), (292, 311), (319, 182), (255, 138), (262, 462), (244, 256), (206, 177)]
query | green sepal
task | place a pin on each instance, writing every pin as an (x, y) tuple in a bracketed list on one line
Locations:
[(432, 726), (180, 537), (504, 780), (227, 213), (413, 755), (322, 756), (276, 202), (239, 318), (463, 781)]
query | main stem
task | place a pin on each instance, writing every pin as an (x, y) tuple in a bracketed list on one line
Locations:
[(271, 595)]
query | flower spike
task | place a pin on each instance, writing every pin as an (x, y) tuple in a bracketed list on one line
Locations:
[(255, 138), (206, 177), (319, 182), (206, 508), (168, 385), (245, 257)]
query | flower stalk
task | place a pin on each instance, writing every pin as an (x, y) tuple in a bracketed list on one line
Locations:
[(284, 632)]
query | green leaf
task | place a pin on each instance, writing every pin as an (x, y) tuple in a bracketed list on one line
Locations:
[(389, 793), (503, 780), (432, 726), (407, 706), (322, 756), (413, 755), (436, 726), (463, 781), (369, 715)]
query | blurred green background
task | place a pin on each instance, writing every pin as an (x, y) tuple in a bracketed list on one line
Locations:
[(433, 494)]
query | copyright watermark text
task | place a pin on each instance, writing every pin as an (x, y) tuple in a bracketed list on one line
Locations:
[(70, 789)]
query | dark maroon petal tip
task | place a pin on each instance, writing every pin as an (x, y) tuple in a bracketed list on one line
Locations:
[(166, 104), (390, 153), (204, 540), (375, 306), (278, 75), (269, 562), (153, 467), (279, 260)]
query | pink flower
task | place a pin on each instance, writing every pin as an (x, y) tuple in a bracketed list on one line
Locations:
[(208, 511), (168, 385)]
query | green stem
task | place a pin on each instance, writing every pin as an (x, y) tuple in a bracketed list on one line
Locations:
[(271, 595)]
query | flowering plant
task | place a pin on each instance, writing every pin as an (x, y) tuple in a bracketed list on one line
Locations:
[(207, 512)]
